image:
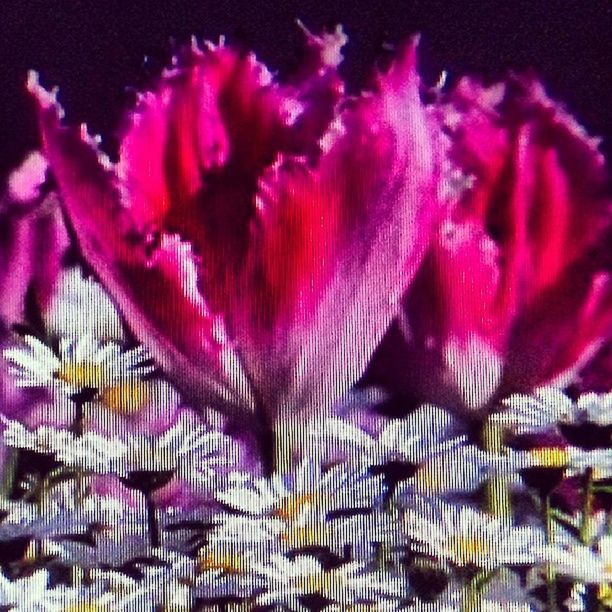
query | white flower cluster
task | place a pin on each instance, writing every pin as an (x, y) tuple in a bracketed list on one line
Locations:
[(123, 498)]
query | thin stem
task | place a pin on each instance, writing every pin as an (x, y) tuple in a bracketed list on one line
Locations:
[(472, 593), (586, 531), (587, 508), (497, 492), (10, 471), (152, 523), (551, 590), (77, 430), (77, 423)]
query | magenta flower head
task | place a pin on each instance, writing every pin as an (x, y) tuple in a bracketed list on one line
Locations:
[(32, 239), (257, 235), (516, 291)]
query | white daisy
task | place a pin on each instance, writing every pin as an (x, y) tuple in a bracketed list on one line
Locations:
[(427, 431), (544, 409), (24, 594), (575, 460), (587, 564), (166, 584), (64, 509), (80, 307), (63, 598), (548, 407), (90, 451), (133, 404), (352, 583), (82, 364), (225, 568), (457, 470), (192, 452), (309, 528), (466, 537), (596, 408), (284, 496)]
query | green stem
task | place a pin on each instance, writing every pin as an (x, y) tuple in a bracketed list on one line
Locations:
[(497, 492), (472, 593), (587, 508), (551, 587)]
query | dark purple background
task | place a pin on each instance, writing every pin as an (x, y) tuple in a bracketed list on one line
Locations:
[(95, 49)]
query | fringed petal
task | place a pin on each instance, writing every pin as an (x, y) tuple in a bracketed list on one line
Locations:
[(154, 285), (307, 220), (336, 242), (540, 200)]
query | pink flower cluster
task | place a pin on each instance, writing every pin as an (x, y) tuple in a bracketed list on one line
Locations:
[(261, 237)]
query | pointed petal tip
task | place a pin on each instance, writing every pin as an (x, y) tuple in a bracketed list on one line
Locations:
[(402, 75), (47, 100), (329, 44)]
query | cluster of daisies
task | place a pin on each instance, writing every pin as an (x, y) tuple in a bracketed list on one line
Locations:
[(118, 496)]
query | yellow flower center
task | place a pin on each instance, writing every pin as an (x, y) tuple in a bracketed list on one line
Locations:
[(302, 535), (81, 374), (291, 506), (468, 550), (127, 397), (555, 457), (430, 477), (229, 562)]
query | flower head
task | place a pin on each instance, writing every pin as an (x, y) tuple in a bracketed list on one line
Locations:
[(280, 221), (79, 365), (348, 584), (515, 292), (467, 537)]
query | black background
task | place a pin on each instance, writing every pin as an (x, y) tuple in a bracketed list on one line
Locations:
[(96, 50)]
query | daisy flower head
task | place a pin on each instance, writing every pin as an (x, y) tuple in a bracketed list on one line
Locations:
[(79, 307), (79, 365), (596, 408), (544, 409), (288, 581), (308, 485), (572, 458), (24, 594), (458, 469), (188, 451), (309, 529), (588, 564), (426, 431), (226, 569), (464, 536), (132, 405)]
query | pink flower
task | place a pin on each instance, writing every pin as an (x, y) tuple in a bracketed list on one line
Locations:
[(516, 291), (29, 223), (256, 235), (32, 242)]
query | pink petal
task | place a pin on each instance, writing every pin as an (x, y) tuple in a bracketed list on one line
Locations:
[(154, 285), (520, 288), (32, 239), (336, 243), (305, 228), (194, 151)]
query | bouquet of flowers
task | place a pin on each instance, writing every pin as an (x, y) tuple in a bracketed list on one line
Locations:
[(301, 349)]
